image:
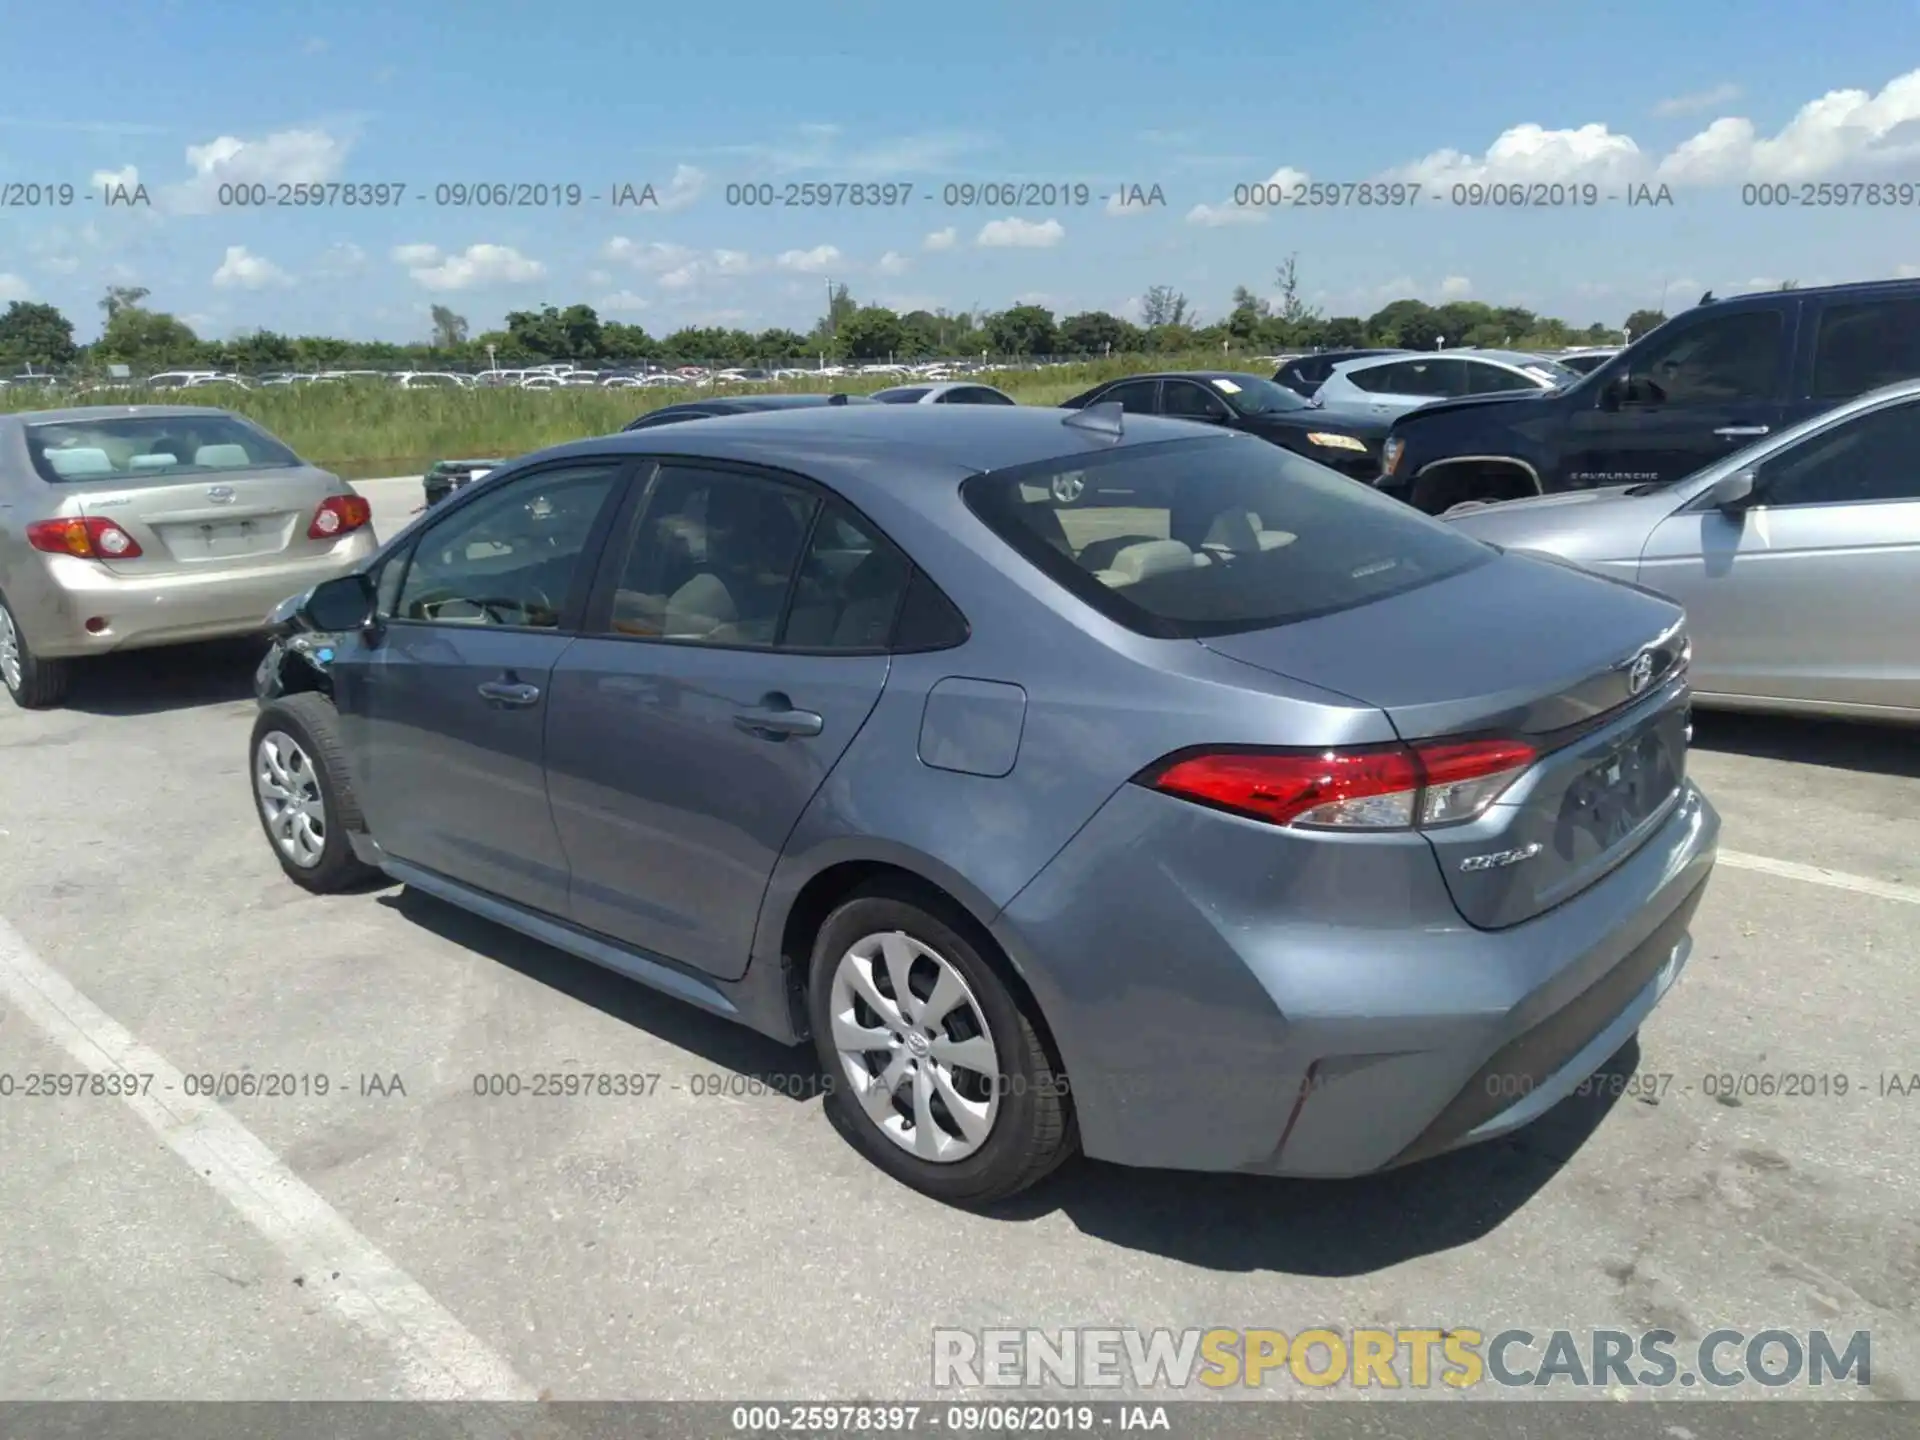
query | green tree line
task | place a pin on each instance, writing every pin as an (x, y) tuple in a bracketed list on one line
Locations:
[(147, 339)]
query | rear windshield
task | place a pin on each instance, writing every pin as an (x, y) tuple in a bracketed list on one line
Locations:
[(76, 451), (1209, 537)]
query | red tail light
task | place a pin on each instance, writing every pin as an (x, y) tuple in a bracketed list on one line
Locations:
[(1374, 787), (339, 515), (91, 538)]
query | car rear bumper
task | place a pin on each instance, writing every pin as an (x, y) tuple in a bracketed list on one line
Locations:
[(140, 612), (1218, 1016)]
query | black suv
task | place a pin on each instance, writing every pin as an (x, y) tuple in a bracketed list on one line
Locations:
[(1704, 384)]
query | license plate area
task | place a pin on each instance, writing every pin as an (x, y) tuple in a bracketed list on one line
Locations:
[(1612, 798), (224, 539)]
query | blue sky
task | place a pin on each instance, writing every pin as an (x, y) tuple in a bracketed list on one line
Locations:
[(691, 98)]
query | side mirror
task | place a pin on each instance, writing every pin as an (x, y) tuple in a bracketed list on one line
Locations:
[(1732, 494), (339, 605)]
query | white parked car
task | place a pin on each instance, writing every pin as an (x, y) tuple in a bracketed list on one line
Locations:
[(949, 392), (1394, 384)]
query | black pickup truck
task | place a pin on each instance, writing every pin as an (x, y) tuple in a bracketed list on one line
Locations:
[(1710, 381)]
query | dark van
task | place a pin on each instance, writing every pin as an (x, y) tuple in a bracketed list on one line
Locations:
[(1706, 383)]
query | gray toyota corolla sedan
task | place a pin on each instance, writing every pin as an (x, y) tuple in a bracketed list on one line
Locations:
[(1233, 818), (1797, 559)]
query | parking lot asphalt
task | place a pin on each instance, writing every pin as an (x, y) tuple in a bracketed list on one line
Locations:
[(401, 1236)]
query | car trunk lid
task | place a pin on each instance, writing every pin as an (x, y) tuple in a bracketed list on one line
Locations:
[(1591, 672), (225, 520)]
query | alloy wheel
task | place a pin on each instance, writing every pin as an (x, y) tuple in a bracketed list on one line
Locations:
[(288, 789), (9, 650), (914, 1047), (1069, 487)]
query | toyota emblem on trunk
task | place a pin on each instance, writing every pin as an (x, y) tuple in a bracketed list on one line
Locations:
[(221, 494), (1641, 672)]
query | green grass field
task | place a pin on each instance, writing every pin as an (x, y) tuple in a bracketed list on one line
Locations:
[(361, 430)]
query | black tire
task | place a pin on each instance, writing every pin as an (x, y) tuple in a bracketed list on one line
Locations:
[(312, 723), (1033, 1131), (43, 682)]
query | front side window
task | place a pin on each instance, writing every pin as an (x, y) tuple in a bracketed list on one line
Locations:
[(1862, 347), (509, 557), (69, 451), (1213, 536), (1711, 362), (1184, 400), (712, 558), (1875, 456), (1485, 379)]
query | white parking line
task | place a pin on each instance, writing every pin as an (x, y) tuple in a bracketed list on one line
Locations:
[(1813, 874), (439, 1358)]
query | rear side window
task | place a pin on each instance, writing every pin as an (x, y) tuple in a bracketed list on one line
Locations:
[(1862, 347), (1135, 397), (910, 395), (1213, 536), (1406, 377), (77, 451)]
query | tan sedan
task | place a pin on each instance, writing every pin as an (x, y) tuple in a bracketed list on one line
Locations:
[(131, 526)]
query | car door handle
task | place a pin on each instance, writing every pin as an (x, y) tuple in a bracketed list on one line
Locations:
[(776, 719), (509, 692), (1731, 431)]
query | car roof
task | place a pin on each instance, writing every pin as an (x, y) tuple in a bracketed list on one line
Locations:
[(1861, 289), (834, 440), (1190, 375), (113, 412), (1464, 352)]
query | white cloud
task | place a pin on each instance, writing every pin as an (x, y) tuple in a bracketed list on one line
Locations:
[(1214, 216), (1037, 297), (1697, 101), (1907, 272), (685, 188), (475, 266), (621, 300), (1015, 233), (1530, 153), (12, 287), (654, 257), (1275, 188), (893, 263), (1455, 287), (243, 270), (126, 175), (941, 239), (599, 277), (1845, 134), (809, 262), (1842, 129), (739, 262), (683, 278), (285, 157)]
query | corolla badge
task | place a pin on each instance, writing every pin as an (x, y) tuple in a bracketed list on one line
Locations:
[(221, 494), (1500, 859)]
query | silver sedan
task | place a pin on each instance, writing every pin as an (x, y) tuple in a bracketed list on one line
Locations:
[(1798, 559)]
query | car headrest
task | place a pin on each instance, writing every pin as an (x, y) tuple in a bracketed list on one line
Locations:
[(222, 457), (80, 460), (1149, 557)]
